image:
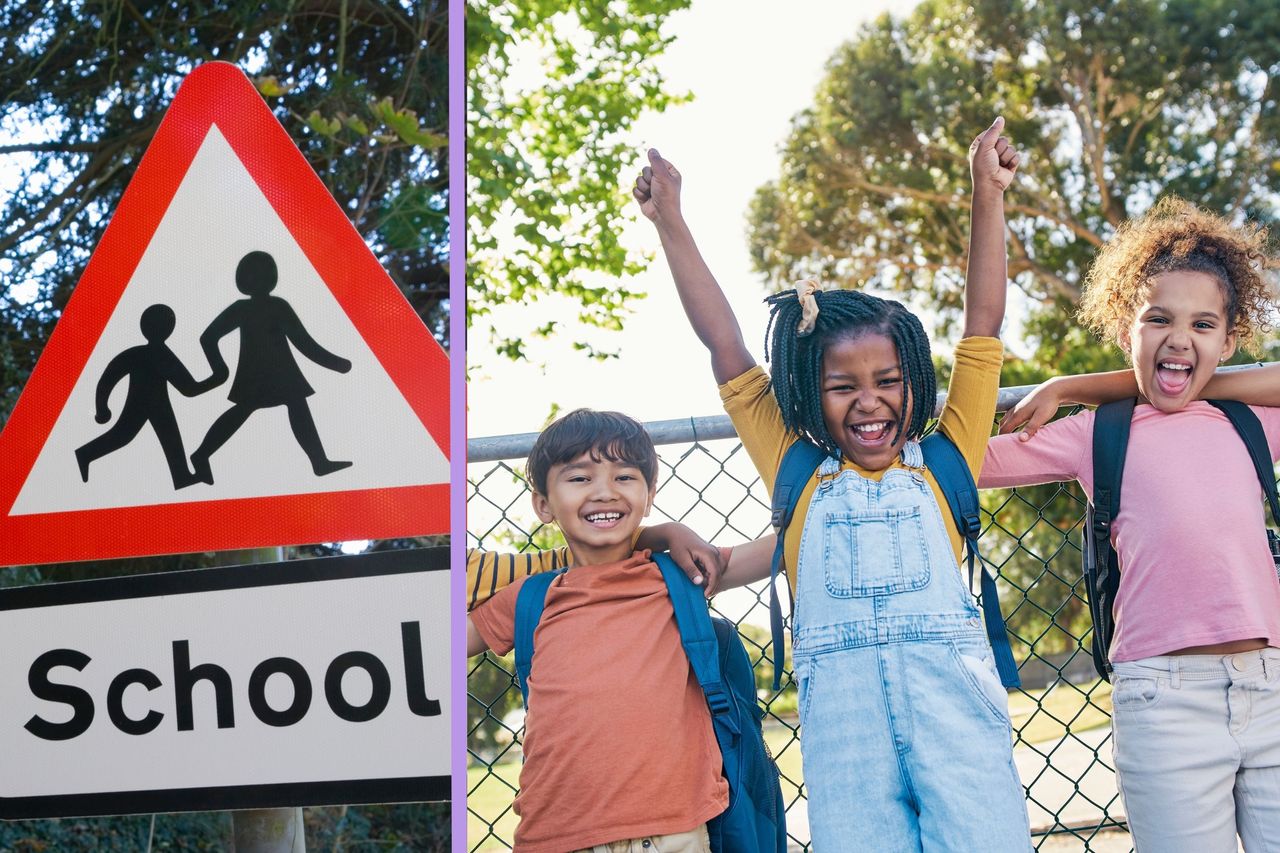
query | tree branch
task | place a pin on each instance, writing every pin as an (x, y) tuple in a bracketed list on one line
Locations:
[(101, 162), (51, 147), (1248, 154), (1092, 139), (1022, 262), (964, 202)]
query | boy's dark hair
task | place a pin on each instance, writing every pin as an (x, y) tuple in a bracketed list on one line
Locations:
[(843, 315), (611, 435)]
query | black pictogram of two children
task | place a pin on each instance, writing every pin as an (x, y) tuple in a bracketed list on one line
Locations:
[(266, 376)]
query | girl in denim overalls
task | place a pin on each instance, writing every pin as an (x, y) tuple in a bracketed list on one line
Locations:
[(905, 729)]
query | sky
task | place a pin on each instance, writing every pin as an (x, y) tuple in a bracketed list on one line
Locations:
[(750, 70)]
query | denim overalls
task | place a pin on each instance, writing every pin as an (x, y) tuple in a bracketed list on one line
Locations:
[(905, 739)]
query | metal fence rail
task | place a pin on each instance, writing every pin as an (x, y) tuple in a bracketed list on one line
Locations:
[(1061, 715)]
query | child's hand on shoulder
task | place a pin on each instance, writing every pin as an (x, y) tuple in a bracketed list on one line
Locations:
[(700, 560), (658, 190), (993, 160)]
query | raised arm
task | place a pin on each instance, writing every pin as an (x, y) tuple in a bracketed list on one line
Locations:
[(992, 164), (658, 191)]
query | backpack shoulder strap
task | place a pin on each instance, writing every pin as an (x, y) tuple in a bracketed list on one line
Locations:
[(1110, 445), (945, 461), (698, 637), (1255, 439), (799, 462), (530, 601), (1101, 564)]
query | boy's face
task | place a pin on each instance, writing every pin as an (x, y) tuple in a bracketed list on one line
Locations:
[(597, 504), (863, 395), (1178, 337)]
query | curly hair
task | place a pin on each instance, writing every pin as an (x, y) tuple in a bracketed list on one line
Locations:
[(843, 314), (1177, 236)]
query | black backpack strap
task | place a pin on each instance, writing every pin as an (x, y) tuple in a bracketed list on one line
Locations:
[(1110, 445), (945, 461), (798, 464), (1255, 439), (530, 601)]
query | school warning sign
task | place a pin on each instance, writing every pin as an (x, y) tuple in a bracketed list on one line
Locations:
[(234, 368)]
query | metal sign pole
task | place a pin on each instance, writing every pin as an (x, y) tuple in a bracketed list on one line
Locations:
[(264, 830), (268, 831)]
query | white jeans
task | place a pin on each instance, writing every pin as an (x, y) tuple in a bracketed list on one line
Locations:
[(1197, 751)]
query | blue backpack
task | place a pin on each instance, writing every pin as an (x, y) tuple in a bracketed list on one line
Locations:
[(755, 821), (944, 459)]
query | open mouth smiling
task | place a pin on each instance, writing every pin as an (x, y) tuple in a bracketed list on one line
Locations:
[(871, 433), (1172, 376)]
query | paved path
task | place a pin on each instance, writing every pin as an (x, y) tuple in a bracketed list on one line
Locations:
[(1051, 770), (1071, 779)]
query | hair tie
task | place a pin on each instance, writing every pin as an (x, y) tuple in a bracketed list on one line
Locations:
[(806, 292)]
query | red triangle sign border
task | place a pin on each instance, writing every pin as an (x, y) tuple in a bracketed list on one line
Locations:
[(220, 93)]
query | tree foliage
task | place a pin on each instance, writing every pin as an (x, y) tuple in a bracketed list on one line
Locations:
[(1113, 103), (544, 155), (361, 86)]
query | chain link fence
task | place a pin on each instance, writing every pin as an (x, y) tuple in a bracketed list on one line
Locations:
[(1061, 715)]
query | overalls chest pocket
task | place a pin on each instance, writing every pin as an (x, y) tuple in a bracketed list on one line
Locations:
[(876, 551)]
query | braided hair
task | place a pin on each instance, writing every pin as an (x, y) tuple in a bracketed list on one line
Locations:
[(843, 315)]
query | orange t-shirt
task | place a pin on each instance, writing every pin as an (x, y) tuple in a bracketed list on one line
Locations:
[(618, 740)]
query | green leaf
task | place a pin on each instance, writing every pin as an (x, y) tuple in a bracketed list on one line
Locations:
[(270, 87), (324, 126)]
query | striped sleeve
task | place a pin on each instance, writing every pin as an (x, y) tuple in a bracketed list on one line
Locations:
[(490, 571)]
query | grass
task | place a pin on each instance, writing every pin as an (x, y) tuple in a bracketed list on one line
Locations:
[(1045, 715), (492, 799)]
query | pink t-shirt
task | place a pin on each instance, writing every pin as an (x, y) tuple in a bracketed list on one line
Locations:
[(1195, 567)]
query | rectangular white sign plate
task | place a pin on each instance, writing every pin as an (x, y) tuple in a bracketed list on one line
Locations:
[(309, 682)]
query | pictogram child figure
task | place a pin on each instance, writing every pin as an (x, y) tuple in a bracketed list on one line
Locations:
[(151, 368), (267, 374)]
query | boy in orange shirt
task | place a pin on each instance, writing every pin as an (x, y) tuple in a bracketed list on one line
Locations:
[(618, 742)]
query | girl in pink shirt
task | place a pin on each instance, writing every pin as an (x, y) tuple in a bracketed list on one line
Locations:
[(1196, 679)]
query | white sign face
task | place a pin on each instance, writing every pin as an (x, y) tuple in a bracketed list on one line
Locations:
[(308, 682), (234, 368), (190, 267)]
